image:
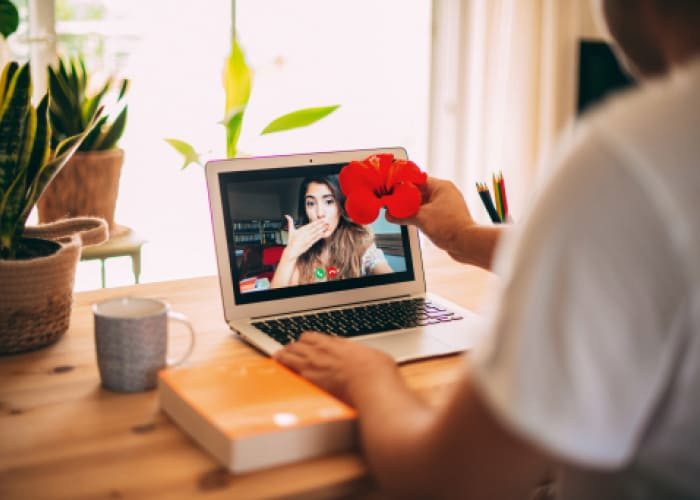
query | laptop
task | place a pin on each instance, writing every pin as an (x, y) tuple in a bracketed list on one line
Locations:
[(364, 283)]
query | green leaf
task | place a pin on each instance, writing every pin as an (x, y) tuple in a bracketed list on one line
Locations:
[(74, 81), (63, 105), (27, 142), (12, 117), (57, 125), (8, 76), (123, 88), (9, 18), (11, 201), (233, 132), (299, 118), (83, 77), (231, 115), (60, 99), (186, 150), (237, 79), (91, 103), (109, 139), (72, 109), (68, 143), (44, 176), (7, 72), (62, 70), (89, 142), (11, 206), (48, 171), (64, 80), (42, 147)]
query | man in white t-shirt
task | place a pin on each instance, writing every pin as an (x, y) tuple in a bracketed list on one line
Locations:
[(591, 367)]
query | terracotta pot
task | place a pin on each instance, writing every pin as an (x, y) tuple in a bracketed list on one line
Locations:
[(36, 293), (87, 186)]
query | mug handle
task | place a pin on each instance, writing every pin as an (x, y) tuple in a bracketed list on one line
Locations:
[(181, 318)]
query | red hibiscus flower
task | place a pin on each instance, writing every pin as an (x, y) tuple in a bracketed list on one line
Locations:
[(379, 181)]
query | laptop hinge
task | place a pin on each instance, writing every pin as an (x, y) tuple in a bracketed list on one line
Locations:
[(349, 304)]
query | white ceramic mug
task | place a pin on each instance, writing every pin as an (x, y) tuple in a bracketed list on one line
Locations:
[(131, 338)]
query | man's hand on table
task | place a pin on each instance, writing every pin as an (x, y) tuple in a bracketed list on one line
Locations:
[(341, 367)]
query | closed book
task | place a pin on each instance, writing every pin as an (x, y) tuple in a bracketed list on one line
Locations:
[(253, 414)]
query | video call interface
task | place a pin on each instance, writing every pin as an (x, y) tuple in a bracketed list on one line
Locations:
[(289, 235)]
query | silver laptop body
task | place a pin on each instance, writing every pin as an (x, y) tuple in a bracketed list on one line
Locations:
[(248, 198)]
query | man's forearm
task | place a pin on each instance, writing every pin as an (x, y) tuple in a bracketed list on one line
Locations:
[(476, 245), (454, 450), (393, 424)]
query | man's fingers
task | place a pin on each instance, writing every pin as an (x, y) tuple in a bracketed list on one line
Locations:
[(427, 191), (310, 344), (409, 220), (319, 339), (310, 337), (294, 360), (309, 352)]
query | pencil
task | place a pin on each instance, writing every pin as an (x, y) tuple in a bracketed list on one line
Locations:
[(483, 191), (497, 197), (504, 199)]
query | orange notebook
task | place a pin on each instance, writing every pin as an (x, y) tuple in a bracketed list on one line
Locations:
[(253, 414)]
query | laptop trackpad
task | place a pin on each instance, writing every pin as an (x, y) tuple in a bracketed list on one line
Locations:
[(408, 345)]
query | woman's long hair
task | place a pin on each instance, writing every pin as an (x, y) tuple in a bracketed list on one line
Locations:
[(347, 244)]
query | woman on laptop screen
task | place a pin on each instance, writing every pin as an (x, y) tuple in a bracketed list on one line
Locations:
[(327, 245)]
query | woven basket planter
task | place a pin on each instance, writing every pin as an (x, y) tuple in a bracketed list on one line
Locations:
[(87, 186), (36, 294)]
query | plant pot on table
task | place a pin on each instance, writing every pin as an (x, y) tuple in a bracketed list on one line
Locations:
[(36, 288), (87, 186)]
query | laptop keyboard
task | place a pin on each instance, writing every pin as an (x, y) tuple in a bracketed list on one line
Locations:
[(360, 320)]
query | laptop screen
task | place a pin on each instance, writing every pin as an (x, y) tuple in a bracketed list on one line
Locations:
[(288, 235)]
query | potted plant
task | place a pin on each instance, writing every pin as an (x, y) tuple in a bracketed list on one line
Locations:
[(237, 87), (89, 183), (37, 264)]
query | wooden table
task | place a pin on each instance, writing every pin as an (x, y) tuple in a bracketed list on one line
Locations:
[(63, 436)]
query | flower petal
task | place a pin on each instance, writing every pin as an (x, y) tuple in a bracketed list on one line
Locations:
[(404, 201), (358, 175), (362, 206), (380, 180), (405, 171), (380, 161)]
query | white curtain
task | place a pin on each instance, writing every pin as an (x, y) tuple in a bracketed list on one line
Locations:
[(42, 39), (503, 87)]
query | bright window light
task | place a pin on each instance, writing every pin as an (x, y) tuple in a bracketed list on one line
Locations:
[(370, 57)]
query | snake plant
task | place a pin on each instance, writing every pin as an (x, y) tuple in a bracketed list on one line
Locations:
[(72, 110), (26, 163)]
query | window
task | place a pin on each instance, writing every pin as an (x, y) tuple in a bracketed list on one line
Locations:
[(372, 58)]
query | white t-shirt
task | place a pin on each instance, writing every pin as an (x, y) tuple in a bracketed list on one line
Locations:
[(594, 348)]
